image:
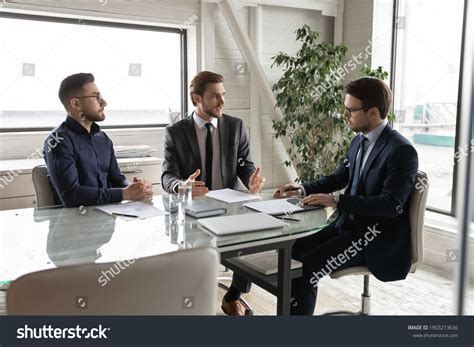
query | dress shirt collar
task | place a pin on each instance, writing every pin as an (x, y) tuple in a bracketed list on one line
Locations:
[(78, 128), (201, 123), (374, 134)]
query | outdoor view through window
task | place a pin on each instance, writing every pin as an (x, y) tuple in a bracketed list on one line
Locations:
[(428, 57), (137, 71)]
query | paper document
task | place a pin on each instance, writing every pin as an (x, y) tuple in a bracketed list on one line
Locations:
[(137, 209), (274, 207), (230, 196)]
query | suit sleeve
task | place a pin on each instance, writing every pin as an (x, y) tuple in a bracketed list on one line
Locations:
[(331, 183), (245, 165), (398, 184), (61, 163), (170, 176)]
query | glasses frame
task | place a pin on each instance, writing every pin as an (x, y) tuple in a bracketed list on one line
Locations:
[(98, 97), (350, 110)]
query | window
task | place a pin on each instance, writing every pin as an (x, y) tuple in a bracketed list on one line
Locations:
[(140, 70), (427, 75)]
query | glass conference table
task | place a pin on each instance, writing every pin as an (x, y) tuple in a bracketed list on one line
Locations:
[(34, 239)]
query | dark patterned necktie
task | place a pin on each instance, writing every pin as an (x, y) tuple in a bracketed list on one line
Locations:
[(209, 156)]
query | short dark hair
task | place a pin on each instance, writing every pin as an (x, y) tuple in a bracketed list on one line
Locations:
[(73, 84), (373, 92), (200, 81)]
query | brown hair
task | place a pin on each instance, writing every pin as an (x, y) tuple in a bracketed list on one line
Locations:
[(200, 81), (373, 92)]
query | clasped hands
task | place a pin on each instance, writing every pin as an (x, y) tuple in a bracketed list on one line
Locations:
[(139, 189)]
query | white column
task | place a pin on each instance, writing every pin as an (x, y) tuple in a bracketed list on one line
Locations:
[(255, 107)]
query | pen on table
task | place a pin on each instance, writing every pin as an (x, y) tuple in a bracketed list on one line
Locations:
[(286, 218), (124, 215)]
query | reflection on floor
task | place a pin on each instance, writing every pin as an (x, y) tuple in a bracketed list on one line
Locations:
[(422, 293)]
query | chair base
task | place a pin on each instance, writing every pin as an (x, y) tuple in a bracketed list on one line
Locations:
[(365, 303)]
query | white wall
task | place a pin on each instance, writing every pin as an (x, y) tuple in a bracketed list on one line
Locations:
[(358, 20)]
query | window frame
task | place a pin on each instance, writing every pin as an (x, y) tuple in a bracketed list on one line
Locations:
[(112, 24), (396, 8)]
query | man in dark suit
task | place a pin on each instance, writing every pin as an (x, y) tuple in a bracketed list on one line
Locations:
[(373, 226), (209, 148)]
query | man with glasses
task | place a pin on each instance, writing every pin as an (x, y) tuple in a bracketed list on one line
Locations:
[(373, 227), (80, 157)]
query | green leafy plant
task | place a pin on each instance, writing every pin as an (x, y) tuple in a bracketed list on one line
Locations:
[(310, 94), (380, 73)]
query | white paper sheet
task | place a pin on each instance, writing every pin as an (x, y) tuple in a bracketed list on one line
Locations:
[(135, 208), (231, 196), (274, 207)]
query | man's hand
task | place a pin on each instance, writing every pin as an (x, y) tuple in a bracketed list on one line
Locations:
[(287, 190), (199, 187), (256, 181), (140, 189), (325, 200)]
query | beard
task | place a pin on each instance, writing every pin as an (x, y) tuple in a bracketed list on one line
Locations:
[(210, 112), (97, 116)]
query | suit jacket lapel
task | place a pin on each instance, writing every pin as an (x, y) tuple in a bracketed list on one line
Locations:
[(378, 146), (193, 141), (223, 128)]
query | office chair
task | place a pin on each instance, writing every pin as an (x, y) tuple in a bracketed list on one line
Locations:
[(417, 204), (44, 194), (177, 283)]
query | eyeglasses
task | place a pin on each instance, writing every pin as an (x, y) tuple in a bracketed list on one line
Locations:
[(351, 110), (98, 97)]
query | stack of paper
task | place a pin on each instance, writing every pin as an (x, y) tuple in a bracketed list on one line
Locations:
[(230, 196), (135, 151), (281, 206), (266, 262)]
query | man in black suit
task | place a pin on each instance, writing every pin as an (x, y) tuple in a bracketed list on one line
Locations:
[(373, 228), (209, 148)]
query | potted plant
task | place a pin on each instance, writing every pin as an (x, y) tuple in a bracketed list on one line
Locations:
[(311, 94)]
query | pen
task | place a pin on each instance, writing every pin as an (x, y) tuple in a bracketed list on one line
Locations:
[(289, 219), (124, 215)]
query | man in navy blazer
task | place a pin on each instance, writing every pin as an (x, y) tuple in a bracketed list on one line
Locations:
[(373, 226)]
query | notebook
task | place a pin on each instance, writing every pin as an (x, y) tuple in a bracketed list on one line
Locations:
[(204, 208), (227, 225)]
